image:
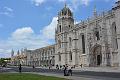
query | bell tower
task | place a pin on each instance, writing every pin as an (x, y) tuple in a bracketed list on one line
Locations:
[(65, 24), (65, 20)]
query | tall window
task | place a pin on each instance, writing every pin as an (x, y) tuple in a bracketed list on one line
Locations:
[(60, 28), (114, 36), (69, 26), (83, 43), (97, 35), (59, 44), (59, 56), (70, 41), (70, 56)]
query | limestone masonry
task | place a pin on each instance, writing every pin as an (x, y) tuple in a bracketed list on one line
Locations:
[(93, 42)]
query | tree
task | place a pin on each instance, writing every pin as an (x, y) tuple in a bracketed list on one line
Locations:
[(3, 61)]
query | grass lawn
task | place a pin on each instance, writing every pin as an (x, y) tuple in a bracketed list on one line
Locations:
[(26, 76)]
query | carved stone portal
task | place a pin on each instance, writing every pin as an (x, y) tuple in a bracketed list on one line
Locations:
[(96, 56)]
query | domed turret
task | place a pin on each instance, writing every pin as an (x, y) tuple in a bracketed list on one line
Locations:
[(65, 20), (65, 12)]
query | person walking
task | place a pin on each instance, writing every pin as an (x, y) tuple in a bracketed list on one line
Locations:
[(33, 67), (20, 68), (70, 71), (81, 65), (65, 71), (49, 66)]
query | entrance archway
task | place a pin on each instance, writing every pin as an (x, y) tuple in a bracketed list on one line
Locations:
[(98, 59), (96, 56)]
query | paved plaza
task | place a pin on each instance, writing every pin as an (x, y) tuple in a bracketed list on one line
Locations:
[(95, 69), (85, 73), (99, 69)]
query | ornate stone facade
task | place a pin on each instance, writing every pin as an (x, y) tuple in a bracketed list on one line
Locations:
[(41, 57), (19, 58), (93, 42)]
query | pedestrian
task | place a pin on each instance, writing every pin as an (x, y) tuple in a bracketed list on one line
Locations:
[(81, 65), (33, 67), (49, 66), (20, 68), (70, 71), (60, 66), (65, 71), (56, 66)]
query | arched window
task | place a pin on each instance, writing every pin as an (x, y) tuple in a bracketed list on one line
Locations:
[(97, 35), (59, 44), (60, 28), (70, 41), (83, 43), (59, 56), (69, 26), (70, 56), (114, 36)]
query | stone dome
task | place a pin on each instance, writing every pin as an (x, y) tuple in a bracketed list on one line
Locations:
[(65, 11)]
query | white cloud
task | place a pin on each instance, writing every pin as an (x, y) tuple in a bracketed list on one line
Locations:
[(2, 54), (25, 37), (22, 33), (85, 2), (22, 38), (74, 4), (7, 11), (49, 31), (37, 2)]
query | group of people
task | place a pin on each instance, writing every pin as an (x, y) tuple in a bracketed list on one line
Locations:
[(67, 69), (20, 68)]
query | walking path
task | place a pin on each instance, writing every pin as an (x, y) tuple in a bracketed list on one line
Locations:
[(95, 69), (99, 69), (78, 77)]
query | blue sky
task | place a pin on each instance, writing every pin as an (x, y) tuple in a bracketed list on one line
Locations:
[(31, 23)]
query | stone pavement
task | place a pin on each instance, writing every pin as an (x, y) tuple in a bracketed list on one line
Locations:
[(95, 69), (76, 77), (99, 69)]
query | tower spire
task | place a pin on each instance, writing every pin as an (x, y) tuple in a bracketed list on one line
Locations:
[(65, 4), (12, 53), (18, 53), (95, 11)]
